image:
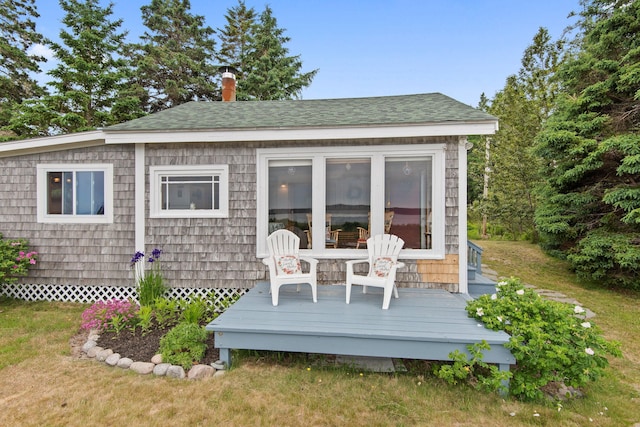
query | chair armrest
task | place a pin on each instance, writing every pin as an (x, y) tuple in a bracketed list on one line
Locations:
[(357, 261), (311, 261)]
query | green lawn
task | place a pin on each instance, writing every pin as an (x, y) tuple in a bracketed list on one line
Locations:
[(41, 384)]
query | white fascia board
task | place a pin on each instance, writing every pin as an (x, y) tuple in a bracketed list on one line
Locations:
[(297, 134), (52, 143)]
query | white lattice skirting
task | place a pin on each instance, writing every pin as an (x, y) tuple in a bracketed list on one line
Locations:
[(91, 294)]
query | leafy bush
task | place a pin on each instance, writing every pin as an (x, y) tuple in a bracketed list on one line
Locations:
[(193, 311), (112, 315), (166, 311), (483, 375), (150, 283), (184, 344), (15, 259), (551, 341), (609, 258)]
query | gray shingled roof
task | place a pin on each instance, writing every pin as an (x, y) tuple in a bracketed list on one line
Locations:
[(386, 110)]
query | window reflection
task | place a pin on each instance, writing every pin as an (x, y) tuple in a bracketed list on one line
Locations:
[(348, 200), (290, 197), (408, 194)]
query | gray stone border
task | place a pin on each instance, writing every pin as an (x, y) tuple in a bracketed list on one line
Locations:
[(156, 367)]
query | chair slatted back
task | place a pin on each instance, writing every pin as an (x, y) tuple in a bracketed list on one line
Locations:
[(283, 242)]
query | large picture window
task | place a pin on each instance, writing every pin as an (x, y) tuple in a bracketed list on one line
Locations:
[(75, 193), (335, 199), (189, 191)]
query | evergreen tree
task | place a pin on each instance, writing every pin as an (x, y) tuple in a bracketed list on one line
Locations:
[(522, 107), (267, 70), (89, 87), (174, 60), (17, 36), (236, 38), (591, 149)]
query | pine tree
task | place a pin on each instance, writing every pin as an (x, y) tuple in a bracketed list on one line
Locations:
[(236, 37), (175, 57), (522, 107), (17, 36), (89, 84), (268, 72), (591, 149)]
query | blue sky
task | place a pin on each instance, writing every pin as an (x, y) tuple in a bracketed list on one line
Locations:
[(363, 48)]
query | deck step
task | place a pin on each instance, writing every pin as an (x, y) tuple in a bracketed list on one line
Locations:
[(480, 285)]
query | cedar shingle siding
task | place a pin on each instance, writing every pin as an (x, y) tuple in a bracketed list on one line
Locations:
[(78, 254), (198, 252)]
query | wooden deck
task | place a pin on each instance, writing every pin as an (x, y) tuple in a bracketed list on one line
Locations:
[(422, 324)]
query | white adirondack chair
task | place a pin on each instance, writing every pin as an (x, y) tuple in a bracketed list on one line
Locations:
[(284, 264), (383, 262)]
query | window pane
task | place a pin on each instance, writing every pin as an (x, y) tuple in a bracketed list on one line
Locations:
[(408, 194), (186, 195), (54, 193), (67, 193), (290, 197), (348, 200), (89, 193)]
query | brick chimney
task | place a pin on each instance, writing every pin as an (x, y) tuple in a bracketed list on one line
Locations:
[(228, 83)]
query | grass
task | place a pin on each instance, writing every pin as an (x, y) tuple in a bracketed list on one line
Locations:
[(41, 384)]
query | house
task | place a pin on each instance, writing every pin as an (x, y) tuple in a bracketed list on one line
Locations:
[(207, 181)]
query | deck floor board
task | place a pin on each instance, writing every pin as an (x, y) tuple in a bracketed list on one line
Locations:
[(421, 324)]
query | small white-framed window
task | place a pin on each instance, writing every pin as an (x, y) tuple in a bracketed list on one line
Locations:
[(75, 193), (187, 191)]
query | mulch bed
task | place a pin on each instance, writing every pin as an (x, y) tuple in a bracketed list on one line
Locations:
[(141, 347)]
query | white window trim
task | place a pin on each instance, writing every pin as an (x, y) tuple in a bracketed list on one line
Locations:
[(43, 217), (377, 154), (155, 174)]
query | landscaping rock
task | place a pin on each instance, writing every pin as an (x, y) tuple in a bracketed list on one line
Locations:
[(93, 351), (198, 372), (219, 374), (143, 368), (89, 345), (113, 359), (102, 355), (218, 365), (124, 363), (157, 359), (176, 371), (161, 369)]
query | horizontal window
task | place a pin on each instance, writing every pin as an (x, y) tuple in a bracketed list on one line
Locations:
[(334, 201), (74, 193), (189, 191)]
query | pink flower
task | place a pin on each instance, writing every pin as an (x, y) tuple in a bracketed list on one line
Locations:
[(32, 261)]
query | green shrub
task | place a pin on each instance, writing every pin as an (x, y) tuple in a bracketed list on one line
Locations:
[(166, 311), (193, 311), (472, 369), (608, 258), (184, 344), (551, 341), (15, 259)]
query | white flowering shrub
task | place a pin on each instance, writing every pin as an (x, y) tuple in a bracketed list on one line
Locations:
[(551, 341)]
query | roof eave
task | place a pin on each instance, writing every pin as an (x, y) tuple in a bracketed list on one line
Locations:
[(486, 127), (52, 143)]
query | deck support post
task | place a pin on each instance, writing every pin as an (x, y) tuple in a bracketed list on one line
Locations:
[(504, 390), (225, 356)]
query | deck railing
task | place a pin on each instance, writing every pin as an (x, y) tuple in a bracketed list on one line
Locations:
[(474, 256)]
